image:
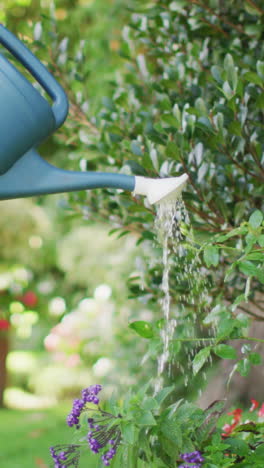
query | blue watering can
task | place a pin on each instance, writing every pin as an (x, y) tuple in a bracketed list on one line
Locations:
[(27, 119)]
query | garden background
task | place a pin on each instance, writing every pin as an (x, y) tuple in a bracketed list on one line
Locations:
[(156, 88)]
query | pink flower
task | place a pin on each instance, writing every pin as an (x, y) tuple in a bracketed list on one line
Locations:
[(29, 299), (4, 324), (254, 405)]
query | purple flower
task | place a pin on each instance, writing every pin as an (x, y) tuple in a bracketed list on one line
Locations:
[(103, 435), (89, 395), (195, 458), (65, 455)]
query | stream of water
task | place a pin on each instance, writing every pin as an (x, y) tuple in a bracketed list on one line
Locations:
[(172, 225)]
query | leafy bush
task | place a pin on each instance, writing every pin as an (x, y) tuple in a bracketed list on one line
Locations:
[(190, 100)]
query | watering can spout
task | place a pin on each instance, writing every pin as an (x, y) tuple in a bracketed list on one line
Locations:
[(31, 175)]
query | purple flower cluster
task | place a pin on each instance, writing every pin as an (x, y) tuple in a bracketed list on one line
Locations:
[(108, 456), (65, 456), (89, 395), (104, 432), (103, 435), (195, 458)]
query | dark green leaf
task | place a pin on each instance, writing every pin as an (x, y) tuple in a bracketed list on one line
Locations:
[(253, 78), (255, 358)]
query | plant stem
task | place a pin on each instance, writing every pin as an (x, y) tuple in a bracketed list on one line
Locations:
[(251, 338)]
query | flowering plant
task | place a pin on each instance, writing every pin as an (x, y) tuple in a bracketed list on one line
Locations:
[(143, 431)]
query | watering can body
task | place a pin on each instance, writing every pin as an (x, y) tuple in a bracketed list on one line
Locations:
[(27, 118)]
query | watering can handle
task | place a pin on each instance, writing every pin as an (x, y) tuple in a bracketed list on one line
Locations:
[(39, 72)]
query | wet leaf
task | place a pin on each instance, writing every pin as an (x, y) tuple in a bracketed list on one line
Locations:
[(256, 219), (243, 367), (200, 359), (211, 255), (164, 393), (142, 328), (225, 351)]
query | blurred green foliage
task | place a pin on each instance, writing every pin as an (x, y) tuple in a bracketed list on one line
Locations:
[(33, 432)]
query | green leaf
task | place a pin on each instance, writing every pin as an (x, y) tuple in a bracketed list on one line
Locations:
[(227, 90), (173, 150), (188, 412), (260, 69), (255, 255), (253, 78), (136, 148), (146, 419), (235, 128), (225, 328), (243, 367), (248, 268), (172, 431), (238, 446), (261, 240), (211, 255), (229, 272), (150, 403), (200, 359), (256, 219), (169, 119), (235, 232), (129, 432), (204, 124), (231, 71), (217, 74), (225, 351), (247, 427), (142, 328), (164, 393), (255, 358)]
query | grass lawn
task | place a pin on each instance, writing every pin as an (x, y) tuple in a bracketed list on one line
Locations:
[(25, 438)]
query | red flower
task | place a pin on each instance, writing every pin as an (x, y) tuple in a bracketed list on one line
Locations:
[(228, 429), (254, 405), (237, 413), (4, 324), (261, 411), (29, 299)]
